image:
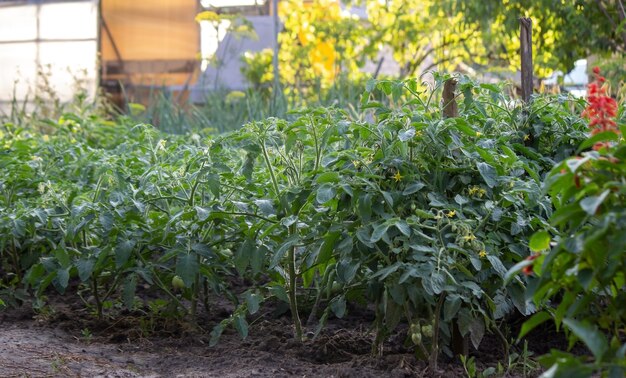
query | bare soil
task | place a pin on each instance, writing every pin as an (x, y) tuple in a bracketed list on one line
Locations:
[(59, 347), (67, 341)]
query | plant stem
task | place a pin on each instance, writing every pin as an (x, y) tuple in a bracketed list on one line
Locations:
[(504, 341), (94, 289), (160, 284), (318, 148), (269, 167), (16, 261), (195, 185), (196, 292), (293, 300), (434, 353)]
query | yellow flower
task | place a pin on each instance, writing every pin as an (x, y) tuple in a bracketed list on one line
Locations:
[(478, 133), (161, 145), (526, 137), (469, 237), (46, 138), (397, 177), (451, 213), (482, 253), (473, 190)]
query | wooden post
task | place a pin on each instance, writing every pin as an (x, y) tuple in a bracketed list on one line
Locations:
[(526, 52), (448, 102)]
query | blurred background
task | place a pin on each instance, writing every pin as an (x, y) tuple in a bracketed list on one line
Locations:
[(259, 58)]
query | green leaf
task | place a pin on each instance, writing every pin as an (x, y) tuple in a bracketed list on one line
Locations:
[(202, 213), (599, 137), (378, 232), (539, 241), (462, 125), (497, 265), (490, 87), (279, 292), (573, 164), (327, 247), (253, 301), (413, 187), (85, 268), (216, 333), (258, 259), (477, 331), (213, 181), (338, 306), (590, 335), (325, 193), (346, 270), (388, 198), (585, 277), (62, 279), (364, 207), (187, 267), (533, 322), (328, 177), (244, 255), (128, 293), (402, 226), (489, 174), (278, 255), (590, 204), (460, 199), (450, 307), (386, 271), (122, 252), (437, 282), (406, 134), (241, 325)]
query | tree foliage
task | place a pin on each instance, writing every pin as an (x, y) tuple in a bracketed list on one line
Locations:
[(563, 31)]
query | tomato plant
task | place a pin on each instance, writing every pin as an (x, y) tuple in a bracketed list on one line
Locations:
[(578, 276)]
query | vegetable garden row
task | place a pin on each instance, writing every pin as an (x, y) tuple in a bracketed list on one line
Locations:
[(428, 221)]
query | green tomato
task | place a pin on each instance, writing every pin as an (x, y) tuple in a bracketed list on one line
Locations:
[(427, 331), (178, 283), (416, 337)]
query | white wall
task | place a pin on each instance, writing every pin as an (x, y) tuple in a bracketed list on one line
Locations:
[(58, 39)]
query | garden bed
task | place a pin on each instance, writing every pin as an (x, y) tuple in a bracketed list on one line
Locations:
[(66, 340)]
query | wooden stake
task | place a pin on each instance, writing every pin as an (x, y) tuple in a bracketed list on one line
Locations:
[(526, 52), (450, 107)]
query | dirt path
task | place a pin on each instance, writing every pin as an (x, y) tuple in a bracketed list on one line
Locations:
[(31, 350), (27, 350)]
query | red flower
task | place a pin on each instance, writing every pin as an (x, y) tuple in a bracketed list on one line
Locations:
[(601, 108), (528, 269)]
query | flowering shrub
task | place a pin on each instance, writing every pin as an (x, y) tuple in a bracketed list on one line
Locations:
[(579, 276), (601, 109)]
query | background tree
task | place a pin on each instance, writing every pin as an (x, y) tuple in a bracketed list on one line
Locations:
[(563, 31), (422, 36)]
